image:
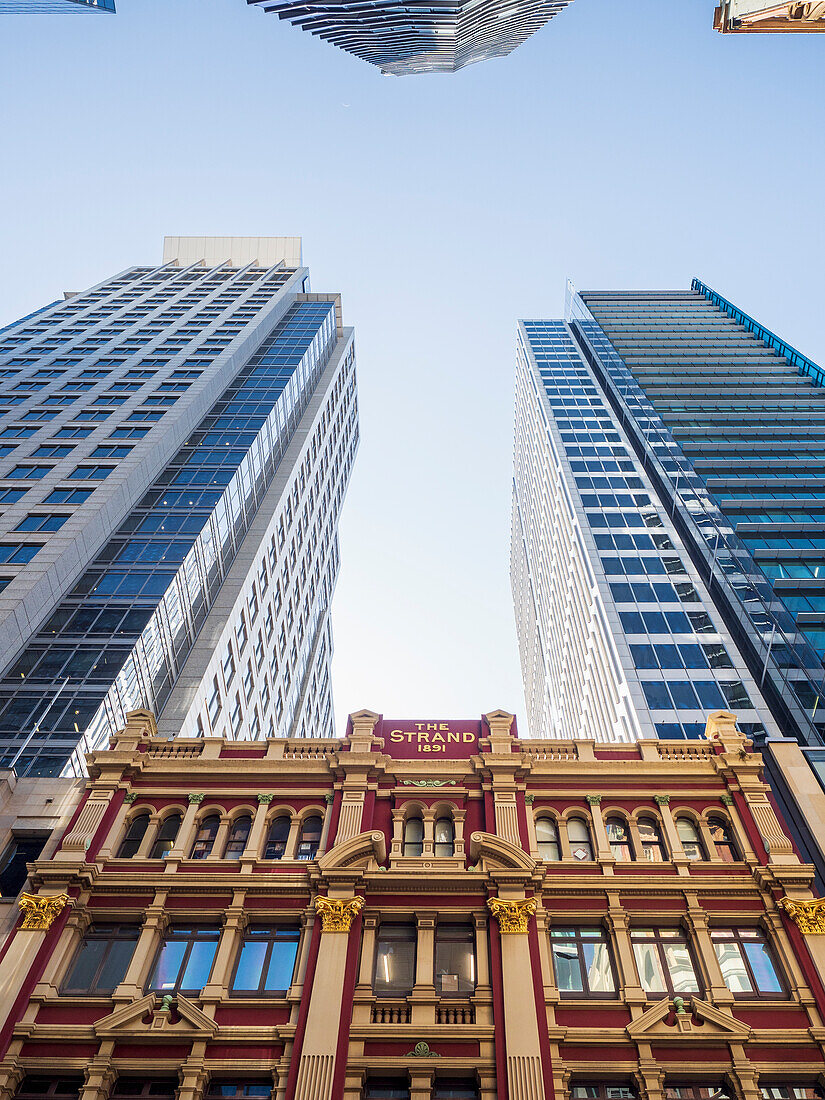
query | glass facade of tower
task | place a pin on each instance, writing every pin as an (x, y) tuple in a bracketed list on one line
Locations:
[(211, 371), (665, 540), (54, 7)]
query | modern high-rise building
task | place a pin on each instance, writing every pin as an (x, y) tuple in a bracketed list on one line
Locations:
[(668, 552), (54, 7), (175, 444), (770, 16), (402, 39)]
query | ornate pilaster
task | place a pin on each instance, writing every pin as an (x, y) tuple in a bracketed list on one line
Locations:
[(808, 916), (512, 916), (336, 914), (41, 910)]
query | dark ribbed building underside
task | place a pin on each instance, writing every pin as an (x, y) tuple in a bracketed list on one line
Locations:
[(401, 39)]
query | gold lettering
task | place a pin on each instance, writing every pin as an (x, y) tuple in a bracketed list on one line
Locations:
[(410, 737), (396, 736), (431, 726), (438, 737), (468, 737), (418, 725), (423, 736), (453, 736), (444, 726)]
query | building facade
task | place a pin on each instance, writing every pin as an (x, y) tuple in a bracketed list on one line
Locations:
[(348, 919), (769, 16), (175, 444), (402, 39), (666, 541)]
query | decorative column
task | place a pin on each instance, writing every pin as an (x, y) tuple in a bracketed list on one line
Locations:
[(697, 920), (219, 844), (324, 842), (525, 1078), (99, 1078), (255, 843), (183, 841), (116, 830), (78, 921), (193, 1074), (423, 994), (603, 853), (40, 911), (317, 1064), (154, 925), (234, 923), (809, 917), (618, 924), (421, 1079), (674, 843)]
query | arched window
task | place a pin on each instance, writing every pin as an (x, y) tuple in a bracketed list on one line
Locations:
[(205, 837), (310, 837), (413, 836), (167, 834), (651, 837), (581, 846), (238, 836), (278, 835), (618, 837), (722, 836), (547, 839), (689, 836), (444, 836), (134, 835)]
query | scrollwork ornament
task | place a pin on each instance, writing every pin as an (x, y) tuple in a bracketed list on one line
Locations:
[(195, 799), (429, 783), (41, 910), (336, 914), (265, 799), (512, 916), (809, 916), (422, 1050), (130, 797)]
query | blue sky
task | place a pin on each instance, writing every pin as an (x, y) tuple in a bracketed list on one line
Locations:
[(625, 145)]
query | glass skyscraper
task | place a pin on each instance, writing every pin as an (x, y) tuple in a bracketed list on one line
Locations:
[(403, 39), (175, 444), (668, 551), (54, 7)]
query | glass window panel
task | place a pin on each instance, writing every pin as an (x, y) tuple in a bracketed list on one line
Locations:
[(651, 974), (199, 964), (250, 965), (168, 966), (733, 967), (566, 962), (282, 963), (680, 966), (767, 979), (597, 968), (86, 965)]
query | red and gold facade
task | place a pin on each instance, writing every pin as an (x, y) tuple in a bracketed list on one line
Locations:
[(420, 910)]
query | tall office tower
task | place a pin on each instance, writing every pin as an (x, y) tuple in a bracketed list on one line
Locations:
[(401, 39), (54, 7), (175, 444), (769, 16), (668, 553)]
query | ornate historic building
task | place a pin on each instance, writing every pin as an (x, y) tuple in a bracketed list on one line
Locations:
[(418, 911)]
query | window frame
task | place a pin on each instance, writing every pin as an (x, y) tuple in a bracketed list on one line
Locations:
[(455, 932), (735, 936), (578, 940), (93, 934), (249, 934), (385, 935), (189, 934), (660, 937)]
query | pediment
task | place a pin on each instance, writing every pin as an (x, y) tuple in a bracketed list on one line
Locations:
[(146, 1015), (368, 849), (496, 853), (700, 1021)]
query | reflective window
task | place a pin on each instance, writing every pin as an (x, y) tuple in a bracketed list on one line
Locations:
[(581, 846), (310, 838), (49, 1088), (102, 959), (413, 836), (13, 870), (702, 1091), (277, 837), (650, 835), (205, 836), (444, 836), (618, 836), (266, 960), (598, 1091), (238, 836), (722, 837), (221, 1088), (455, 1088), (455, 959), (395, 959), (547, 839), (747, 964), (664, 961), (581, 958), (386, 1088), (691, 841), (184, 962), (134, 835), (167, 834)]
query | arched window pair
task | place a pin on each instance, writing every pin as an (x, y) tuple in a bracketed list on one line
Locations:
[(309, 839), (720, 834), (578, 836), (163, 843), (621, 842), (443, 836), (235, 845)]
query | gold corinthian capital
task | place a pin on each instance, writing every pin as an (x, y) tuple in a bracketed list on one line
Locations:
[(41, 911), (338, 915), (512, 916), (809, 916)]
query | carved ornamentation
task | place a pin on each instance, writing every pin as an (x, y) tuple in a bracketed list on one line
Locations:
[(337, 915), (529, 799), (726, 799), (329, 799), (429, 783), (196, 799), (593, 799), (422, 1050), (41, 911), (512, 916), (265, 799), (809, 916), (130, 797), (661, 799)]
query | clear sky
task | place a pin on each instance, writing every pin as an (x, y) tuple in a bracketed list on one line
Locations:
[(626, 145)]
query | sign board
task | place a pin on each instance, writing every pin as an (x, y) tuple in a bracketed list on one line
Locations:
[(406, 739)]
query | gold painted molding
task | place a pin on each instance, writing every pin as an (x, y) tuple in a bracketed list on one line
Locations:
[(512, 916), (809, 916), (338, 915), (41, 911)]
